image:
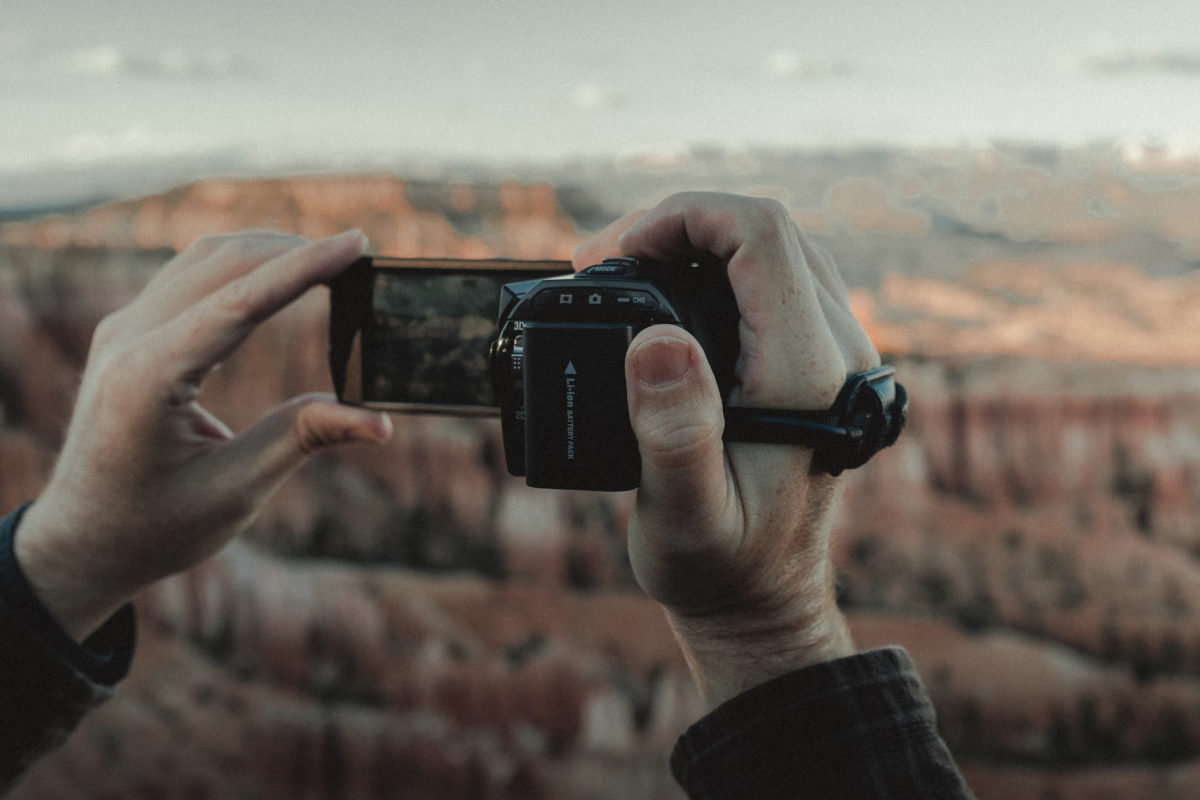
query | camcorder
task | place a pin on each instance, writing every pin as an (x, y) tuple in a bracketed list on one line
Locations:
[(544, 348)]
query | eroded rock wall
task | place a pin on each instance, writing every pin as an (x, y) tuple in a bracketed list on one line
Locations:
[(410, 621)]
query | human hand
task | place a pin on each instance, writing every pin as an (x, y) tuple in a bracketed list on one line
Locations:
[(149, 482), (733, 538)]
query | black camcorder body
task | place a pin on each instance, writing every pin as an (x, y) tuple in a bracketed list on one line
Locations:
[(424, 335), (558, 363)]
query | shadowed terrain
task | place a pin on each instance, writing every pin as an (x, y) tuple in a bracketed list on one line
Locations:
[(410, 621)]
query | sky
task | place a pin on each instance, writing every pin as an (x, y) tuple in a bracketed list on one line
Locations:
[(95, 84)]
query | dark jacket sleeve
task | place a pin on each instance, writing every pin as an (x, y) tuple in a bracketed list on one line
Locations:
[(47, 680), (859, 727)]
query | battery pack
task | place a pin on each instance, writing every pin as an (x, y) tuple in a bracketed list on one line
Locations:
[(577, 431)]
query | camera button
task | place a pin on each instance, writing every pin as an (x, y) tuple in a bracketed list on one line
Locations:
[(612, 268), (555, 297), (634, 300)]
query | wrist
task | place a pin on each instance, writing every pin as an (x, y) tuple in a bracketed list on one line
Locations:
[(729, 654), (56, 577)]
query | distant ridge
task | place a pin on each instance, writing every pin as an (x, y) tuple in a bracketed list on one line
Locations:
[(1047, 255), (22, 213)]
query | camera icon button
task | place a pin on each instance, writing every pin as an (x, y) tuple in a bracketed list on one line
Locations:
[(555, 298)]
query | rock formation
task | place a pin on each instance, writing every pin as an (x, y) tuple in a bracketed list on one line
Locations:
[(383, 631)]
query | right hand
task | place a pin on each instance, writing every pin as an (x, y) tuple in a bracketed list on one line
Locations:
[(733, 539)]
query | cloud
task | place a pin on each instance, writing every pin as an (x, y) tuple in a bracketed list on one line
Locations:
[(111, 62), (1140, 62), (137, 142), (589, 96), (15, 43), (791, 65)]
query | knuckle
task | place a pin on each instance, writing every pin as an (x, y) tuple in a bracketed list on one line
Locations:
[(242, 244), (237, 303), (108, 330), (672, 444), (231, 247), (682, 198), (772, 214), (234, 300), (311, 431), (204, 246), (258, 240), (691, 203)]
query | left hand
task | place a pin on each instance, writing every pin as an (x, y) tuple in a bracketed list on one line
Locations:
[(149, 482)]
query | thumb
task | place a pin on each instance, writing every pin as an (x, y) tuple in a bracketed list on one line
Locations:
[(675, 410), (289, 435)]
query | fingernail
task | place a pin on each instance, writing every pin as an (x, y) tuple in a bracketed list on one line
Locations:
[(383, 430), (353, 233), (662, 361)]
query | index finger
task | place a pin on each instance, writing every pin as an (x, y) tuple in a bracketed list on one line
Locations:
[(188, 346), (207, 264), (605, 243)]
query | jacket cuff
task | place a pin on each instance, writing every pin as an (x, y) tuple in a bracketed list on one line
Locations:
[(103, 658), (857, 727)]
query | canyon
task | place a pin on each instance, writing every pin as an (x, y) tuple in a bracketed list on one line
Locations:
[(383, 631)]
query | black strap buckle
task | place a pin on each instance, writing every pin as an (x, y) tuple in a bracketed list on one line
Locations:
[(867, 416)]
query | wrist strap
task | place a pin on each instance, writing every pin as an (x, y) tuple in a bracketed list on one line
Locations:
[(867, 416)]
